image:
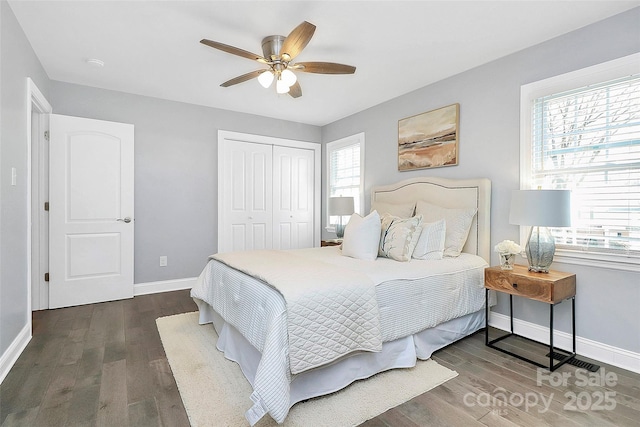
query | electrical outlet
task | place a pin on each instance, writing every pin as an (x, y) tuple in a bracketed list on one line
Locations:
[(163, 261)]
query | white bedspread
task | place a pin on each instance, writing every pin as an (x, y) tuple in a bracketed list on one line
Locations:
[(411, 296), (331, 310)]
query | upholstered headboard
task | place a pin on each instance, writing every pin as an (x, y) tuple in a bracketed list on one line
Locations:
[(448, 193)]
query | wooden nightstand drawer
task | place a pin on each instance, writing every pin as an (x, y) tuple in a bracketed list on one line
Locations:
[(551, 287)]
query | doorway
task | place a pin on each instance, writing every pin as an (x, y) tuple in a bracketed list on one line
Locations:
[(38, 110)]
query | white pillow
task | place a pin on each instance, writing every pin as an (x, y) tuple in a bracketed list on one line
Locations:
[(398, 236), (362, 236), (431, 241), (458, 223), (401, 210)]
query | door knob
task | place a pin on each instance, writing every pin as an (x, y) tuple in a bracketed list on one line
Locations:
[(126, 220)]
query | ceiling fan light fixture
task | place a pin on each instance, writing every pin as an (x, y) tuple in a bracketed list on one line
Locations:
[(288, 77), (265, 79), (281, 86)]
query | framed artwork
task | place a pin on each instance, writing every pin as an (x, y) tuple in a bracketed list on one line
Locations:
[(429, 140)]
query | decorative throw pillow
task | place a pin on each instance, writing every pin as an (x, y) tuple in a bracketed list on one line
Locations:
[(401, 210), (431, 241), (362, 236), (398, 237), (458, 223)]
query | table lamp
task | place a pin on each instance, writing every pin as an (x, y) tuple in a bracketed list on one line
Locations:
[(540, 209), (340, 206)]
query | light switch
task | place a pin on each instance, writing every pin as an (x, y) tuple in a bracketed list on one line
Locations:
[(14, 176), (163, 261)]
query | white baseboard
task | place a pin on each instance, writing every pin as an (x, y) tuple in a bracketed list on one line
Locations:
[(8, 359), (163, 286), (592, 349)]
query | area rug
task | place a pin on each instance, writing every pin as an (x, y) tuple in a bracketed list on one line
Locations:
[(216, 393)]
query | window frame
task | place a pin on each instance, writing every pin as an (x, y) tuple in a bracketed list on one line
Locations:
[(580, 78), (336, 145)]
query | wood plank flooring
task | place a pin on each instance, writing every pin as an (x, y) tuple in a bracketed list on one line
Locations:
[(104, 365)]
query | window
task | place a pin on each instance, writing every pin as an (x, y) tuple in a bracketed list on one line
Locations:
[(345, 172), (585, 137)]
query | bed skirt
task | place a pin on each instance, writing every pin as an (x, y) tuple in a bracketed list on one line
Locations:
[(400, 353)]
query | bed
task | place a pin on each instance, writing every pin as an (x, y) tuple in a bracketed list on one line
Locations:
[(292, 346)]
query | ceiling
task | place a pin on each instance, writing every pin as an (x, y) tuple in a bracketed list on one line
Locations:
[(152, 48)]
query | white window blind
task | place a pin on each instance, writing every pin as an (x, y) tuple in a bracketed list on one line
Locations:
[(345, 170), (587, 140)]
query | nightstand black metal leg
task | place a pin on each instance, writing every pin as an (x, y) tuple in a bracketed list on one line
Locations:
[(511, 312), (573, 322), (551, 336), (486, 317)]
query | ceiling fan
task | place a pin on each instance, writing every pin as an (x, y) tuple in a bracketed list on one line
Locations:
[(278, 54)]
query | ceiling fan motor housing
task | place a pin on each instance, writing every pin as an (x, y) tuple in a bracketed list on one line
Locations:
[(271, 46)]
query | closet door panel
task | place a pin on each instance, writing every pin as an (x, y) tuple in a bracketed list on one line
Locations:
[(293, 197), (246, 199)]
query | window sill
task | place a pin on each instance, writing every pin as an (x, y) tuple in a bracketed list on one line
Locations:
[(610, 261)]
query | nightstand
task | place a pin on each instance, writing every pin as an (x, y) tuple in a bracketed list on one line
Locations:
[(333, 242), (551, 288)]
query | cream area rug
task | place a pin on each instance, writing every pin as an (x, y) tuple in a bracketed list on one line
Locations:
[(216, 393)]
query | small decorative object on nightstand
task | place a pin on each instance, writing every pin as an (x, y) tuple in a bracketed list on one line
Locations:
[(508, 249), (551, 288)]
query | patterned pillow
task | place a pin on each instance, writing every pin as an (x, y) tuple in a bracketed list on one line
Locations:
[(431, 241), (458, 223), (398, 236)]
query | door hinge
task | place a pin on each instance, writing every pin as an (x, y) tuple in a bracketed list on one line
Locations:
[(46, 206), (46, 277), (46, 135)]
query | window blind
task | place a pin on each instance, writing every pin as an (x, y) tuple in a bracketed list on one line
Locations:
[(587, 140), (344, 172)]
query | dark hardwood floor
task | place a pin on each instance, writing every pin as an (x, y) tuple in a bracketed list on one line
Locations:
[(104, 365)]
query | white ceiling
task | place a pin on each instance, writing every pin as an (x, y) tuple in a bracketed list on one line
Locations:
[(152, 47)]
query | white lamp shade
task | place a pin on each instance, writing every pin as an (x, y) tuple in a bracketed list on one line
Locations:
[(265, 79), (340, 206), (288, 77), (281, 87), (543, 208)]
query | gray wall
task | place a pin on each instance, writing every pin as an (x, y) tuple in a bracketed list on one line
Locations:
[(176, 177), (489, 96), (18, 62)]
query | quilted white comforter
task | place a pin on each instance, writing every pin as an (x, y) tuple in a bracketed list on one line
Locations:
[(331, 311), (411, 296)]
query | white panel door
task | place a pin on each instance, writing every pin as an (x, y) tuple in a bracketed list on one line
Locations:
[(246, 198), (91, 211), (293, 197)]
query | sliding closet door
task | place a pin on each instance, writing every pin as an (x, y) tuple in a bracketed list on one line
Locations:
[(293, 183), (246, 197)]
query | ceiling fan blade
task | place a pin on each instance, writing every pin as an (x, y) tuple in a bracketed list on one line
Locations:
[(242, 78), (295, 91), (297, 40), (233, 50), (324, 68)]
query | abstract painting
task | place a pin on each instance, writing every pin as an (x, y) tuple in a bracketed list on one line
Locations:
[(429, 140)]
